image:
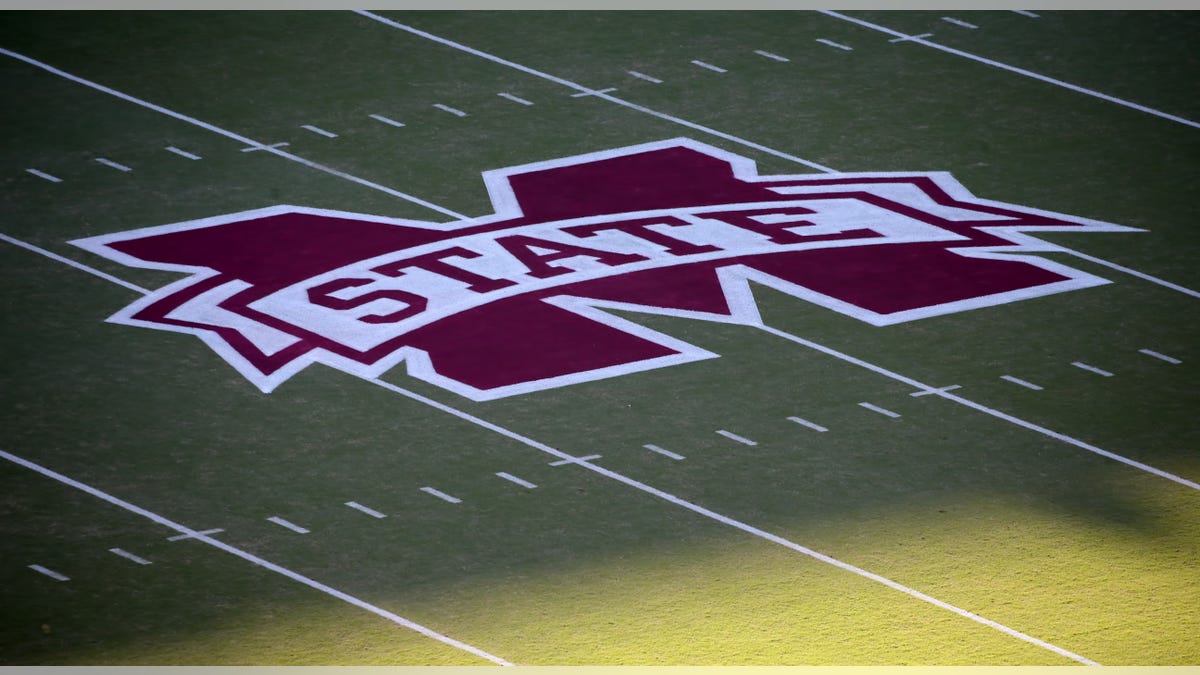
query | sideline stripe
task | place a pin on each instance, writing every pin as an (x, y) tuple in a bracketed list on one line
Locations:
[(441, 495), (452, 111), (366, 509), (516, 99), (709, 66), (319, 130), (578, 87), (1163, 357), (1023, 383), (386, 120), (1014, 69), (50, 573), (43, 174), (665, 453), (1093, 369), (643, 76), (734, 437), (749, 529), (883, 411), (978, 406), (229, 134), (114, 165), (1126, 270), (519, 481), (250, 557), (806, 423), (181, 153), (288, 524), (79, 266), (774, 57), (129, 556), (831, 43)]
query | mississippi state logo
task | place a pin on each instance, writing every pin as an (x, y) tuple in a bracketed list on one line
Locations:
[(516, 301)]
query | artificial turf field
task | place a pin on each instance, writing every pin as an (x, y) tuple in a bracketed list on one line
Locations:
[(996, 523)]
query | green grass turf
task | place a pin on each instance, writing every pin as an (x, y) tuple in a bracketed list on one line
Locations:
[(1069, 547)]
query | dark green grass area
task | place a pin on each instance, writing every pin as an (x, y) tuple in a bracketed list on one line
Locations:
[(1079, 550)]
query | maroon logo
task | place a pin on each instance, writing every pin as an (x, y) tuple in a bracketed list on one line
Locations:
[(515, 301)]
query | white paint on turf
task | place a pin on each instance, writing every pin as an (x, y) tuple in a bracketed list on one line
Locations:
[(1023, 383), (49, 572), (113, 165), (1093, 369), (44, 176), (805, 423), (195, 535), (441, 495), (773, 57), (959, 22), (709, 66), (318, 130), (513, 479), (838, 45), (182, 153), (734, 437), (664, 453), (884, 411), (77, 265), (386, 120), (515, 99), (1161, 357), (129, 556), (366, 509), (453, 111), (288, 524), (251, 558), (643, 76)]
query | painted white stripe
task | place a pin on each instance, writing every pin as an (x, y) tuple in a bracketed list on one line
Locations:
[(516, 99), (734, 437), (831, 43), (441, 495), (906, 38), (958, 22), (319, 131), (1163, 357), (593, 92), (181, 153), (44, 175), (386, 120), (1019, 71), (255, 148), (980, 407), (366, 509), (79, 266), (229, 134), (1131, 272), (578, 87), (1025, 12), (709, 66), (749, 529), (643, 76), (251, 558), (288, 524), (665, 453), (50, 573), (1023, 383), (519, 481), (575, 460), (129, 556), (452, 111), (1094, 369), (918, 394), (773, 57), (882, 411), (114, 165), (195, 535), (806, 423)]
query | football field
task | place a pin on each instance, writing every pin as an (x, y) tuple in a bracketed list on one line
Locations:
[(600, 338)]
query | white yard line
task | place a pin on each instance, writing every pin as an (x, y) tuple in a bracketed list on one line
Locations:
[(1023, 383), (980, 407), (773, 57), (515, 99), (574, 460), (43, 175), (318, 130), (441, 495), (664, 453), (1093, 369), (923, 392), (580, 88), (831, 43), (79, 266), (806, 423), (129, 556), (643, 76), (251, 558), (882, 411), (288, 524), (709, 66), (49, 572), (366, 509), (1161, 357), (725, 520), (513, 479), (113, 165), (196, 534), (386, 120), (1014, 69), (734, 437), (1132, 272), (229, 134), (181, 153)]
